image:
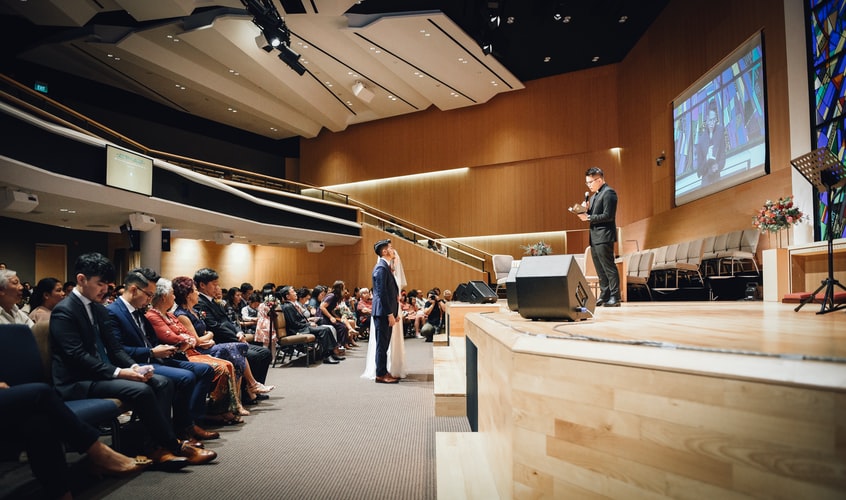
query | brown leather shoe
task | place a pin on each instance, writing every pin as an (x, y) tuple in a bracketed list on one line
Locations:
[(337, 354), (197, 456), (166, 460), (386, 379), (202, 434)]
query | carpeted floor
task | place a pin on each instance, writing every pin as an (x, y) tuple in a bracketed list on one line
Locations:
[(325, 433)]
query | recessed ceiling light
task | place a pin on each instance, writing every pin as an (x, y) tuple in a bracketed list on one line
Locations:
[(547, 59), (623, 19), (595, 58)]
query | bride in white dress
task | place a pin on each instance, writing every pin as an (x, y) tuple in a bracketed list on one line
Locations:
[(396, 349)]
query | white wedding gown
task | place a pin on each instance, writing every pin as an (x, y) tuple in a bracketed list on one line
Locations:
[(396, 349)]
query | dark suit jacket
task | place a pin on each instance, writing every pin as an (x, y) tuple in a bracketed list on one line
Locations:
[(603, 216), (217, 321), (295, 322), (75, 359), (127, 333), (385, 290)]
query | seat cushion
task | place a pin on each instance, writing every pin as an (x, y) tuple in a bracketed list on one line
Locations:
[(302, 338), (95, 411)]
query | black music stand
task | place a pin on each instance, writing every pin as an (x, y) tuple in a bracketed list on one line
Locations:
[(825, 172)]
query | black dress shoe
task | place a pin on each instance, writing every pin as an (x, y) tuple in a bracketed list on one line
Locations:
[(329, 361), (599, 302), (261, 397), (612, 302)]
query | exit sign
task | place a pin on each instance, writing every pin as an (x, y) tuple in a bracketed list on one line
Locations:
[(41, 87)]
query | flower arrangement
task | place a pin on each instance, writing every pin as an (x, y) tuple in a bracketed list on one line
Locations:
[(539, 248), (270, 301), (777, 215)]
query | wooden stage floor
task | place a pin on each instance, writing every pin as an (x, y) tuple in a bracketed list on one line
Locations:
[(754, 327)]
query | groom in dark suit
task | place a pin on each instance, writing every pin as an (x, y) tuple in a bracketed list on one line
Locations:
[(192, 381), (602, 215), (88, 362), (207, 282), (385, 309)]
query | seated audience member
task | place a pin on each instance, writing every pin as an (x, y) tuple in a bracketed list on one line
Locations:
[(224, 398), (34, 419), (68, 286), (447, 295), (316, 297), (186, 298), (412, 319), (249, 313), (231, 302), (246, 290), (434, 312), (296, 323), (48, 292), (265, 334), (207, 283), (11, 293), (191, 381), (365, 308), (328, 314), (345, 311), (88, 362)]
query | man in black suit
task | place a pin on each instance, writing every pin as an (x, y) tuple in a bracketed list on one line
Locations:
[(296, 323), (88, 362), (602, 214), (192, 381), (385, 308), (207, 282)]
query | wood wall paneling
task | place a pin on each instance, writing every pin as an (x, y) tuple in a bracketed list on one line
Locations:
[(524, 147)]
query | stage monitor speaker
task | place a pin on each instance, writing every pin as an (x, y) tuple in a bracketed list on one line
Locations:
[(511, 288), (480, 293), (553, 287), (461, 293)]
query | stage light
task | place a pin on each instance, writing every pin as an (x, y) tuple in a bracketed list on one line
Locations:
[(291, 58), (487, 48), (362, 92)]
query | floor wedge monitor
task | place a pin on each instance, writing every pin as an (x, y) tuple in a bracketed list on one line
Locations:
[(553, 287), (478, 292)]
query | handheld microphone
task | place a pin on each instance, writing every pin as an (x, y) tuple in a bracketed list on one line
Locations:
[(587, 196)]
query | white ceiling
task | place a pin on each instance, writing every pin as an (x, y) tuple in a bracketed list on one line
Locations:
[(210, 64)]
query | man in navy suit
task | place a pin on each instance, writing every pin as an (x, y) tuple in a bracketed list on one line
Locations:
[(385, 310), (88, 362), (192, 381), (602, 215)]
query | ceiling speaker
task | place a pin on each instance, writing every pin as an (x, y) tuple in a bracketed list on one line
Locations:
[(363, 93), (224, 238), (18, 201), (141, 222), (315, 246)]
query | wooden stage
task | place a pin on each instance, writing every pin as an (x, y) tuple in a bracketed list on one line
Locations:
[(761, 327), (668, 400)]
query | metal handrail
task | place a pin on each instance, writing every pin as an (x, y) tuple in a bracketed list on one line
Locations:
[(34, 102)]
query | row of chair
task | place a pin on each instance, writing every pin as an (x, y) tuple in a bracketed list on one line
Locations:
[(728, 253), (25, 358)]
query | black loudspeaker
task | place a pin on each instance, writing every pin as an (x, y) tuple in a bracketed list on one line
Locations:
[(553, 287), (480, 293), (165, 240), (511, 288), (461, 293)]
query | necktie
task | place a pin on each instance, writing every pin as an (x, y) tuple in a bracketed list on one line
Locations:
[(101, 349), (137, 315)]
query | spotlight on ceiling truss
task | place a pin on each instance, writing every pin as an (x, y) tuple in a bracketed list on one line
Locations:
[(275, 32)]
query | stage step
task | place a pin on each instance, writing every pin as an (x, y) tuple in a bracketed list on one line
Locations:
[(450, 380), (463, 470)]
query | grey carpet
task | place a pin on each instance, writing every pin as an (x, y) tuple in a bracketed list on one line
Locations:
[(325, 433)]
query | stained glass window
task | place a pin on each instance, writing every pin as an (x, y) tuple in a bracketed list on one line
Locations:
[(827, 22)]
